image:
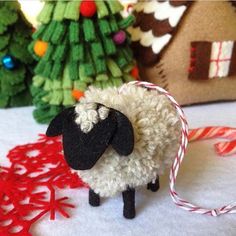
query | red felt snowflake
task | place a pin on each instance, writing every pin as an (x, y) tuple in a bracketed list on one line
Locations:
[(28, 188)]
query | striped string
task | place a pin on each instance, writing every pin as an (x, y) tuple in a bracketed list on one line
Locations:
[(223, 148)]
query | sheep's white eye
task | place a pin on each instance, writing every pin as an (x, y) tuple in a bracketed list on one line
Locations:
[(93, 116), (86, 126), (103, 112)]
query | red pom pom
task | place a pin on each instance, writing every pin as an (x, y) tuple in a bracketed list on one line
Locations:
[(88, 8), (135, 72)]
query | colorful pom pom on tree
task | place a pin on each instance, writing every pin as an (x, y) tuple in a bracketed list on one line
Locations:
[(135, 72), (88, 8), (40, 48), (15, 60), (119, 37), (77, 94), (8, 62), (74, 49)]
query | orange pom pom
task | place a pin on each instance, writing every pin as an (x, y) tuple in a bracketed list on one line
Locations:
[(40, 48), (77, 94), (135, 72)]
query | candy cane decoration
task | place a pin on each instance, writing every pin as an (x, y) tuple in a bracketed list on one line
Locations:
[(212, 132), (224, 148)]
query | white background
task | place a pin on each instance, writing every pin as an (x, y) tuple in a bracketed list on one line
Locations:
[(205, 179)]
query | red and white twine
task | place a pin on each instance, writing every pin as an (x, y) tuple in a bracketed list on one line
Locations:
[(222, 148)]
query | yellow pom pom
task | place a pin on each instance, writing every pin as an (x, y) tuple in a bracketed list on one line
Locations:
[(40, 48)]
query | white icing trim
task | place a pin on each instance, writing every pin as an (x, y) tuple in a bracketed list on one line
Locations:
[(147, 39), (162, 10), (128, 7)]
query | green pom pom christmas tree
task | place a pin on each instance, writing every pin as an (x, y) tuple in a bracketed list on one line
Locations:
[(79, 43), (15, 60)]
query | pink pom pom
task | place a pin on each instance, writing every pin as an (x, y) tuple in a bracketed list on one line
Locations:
[(119, 37)]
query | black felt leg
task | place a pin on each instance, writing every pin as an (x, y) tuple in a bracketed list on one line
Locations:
[(129, 203), (154, 186), (94, 199)]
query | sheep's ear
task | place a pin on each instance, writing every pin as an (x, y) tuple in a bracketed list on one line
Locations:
[(123, 139), (83, 150), (56, 125)]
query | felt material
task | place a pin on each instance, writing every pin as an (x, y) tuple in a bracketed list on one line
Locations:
[(56, 126), (232, 68), (41, 167), (129, 203), (233, 3), (80, 49), (215, 24), (154, 186), (123, 139), (204, 179), (94, 199), (221, 59), (159, 28), (15, 61), (82, 150), (141, 52), (156, 25), (200, 60), (179, 2)]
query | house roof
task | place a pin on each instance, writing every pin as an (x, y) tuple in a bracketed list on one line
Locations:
[(156, 23)]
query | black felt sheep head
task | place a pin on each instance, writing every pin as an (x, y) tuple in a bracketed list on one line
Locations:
[(87, 131)]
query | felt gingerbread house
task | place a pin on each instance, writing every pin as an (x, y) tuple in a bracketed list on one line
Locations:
[(187, 47)]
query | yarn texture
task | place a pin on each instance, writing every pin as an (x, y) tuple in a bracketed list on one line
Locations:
[(157, 133), (88, 115)]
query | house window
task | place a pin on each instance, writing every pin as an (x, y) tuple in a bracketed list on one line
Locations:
[(212, 60)]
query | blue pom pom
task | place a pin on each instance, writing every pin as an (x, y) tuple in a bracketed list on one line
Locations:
[(8, 62)]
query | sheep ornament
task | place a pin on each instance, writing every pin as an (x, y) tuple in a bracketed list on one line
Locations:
[(118, 139)]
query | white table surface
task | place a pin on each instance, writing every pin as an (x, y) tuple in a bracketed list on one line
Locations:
[(204, 179)]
